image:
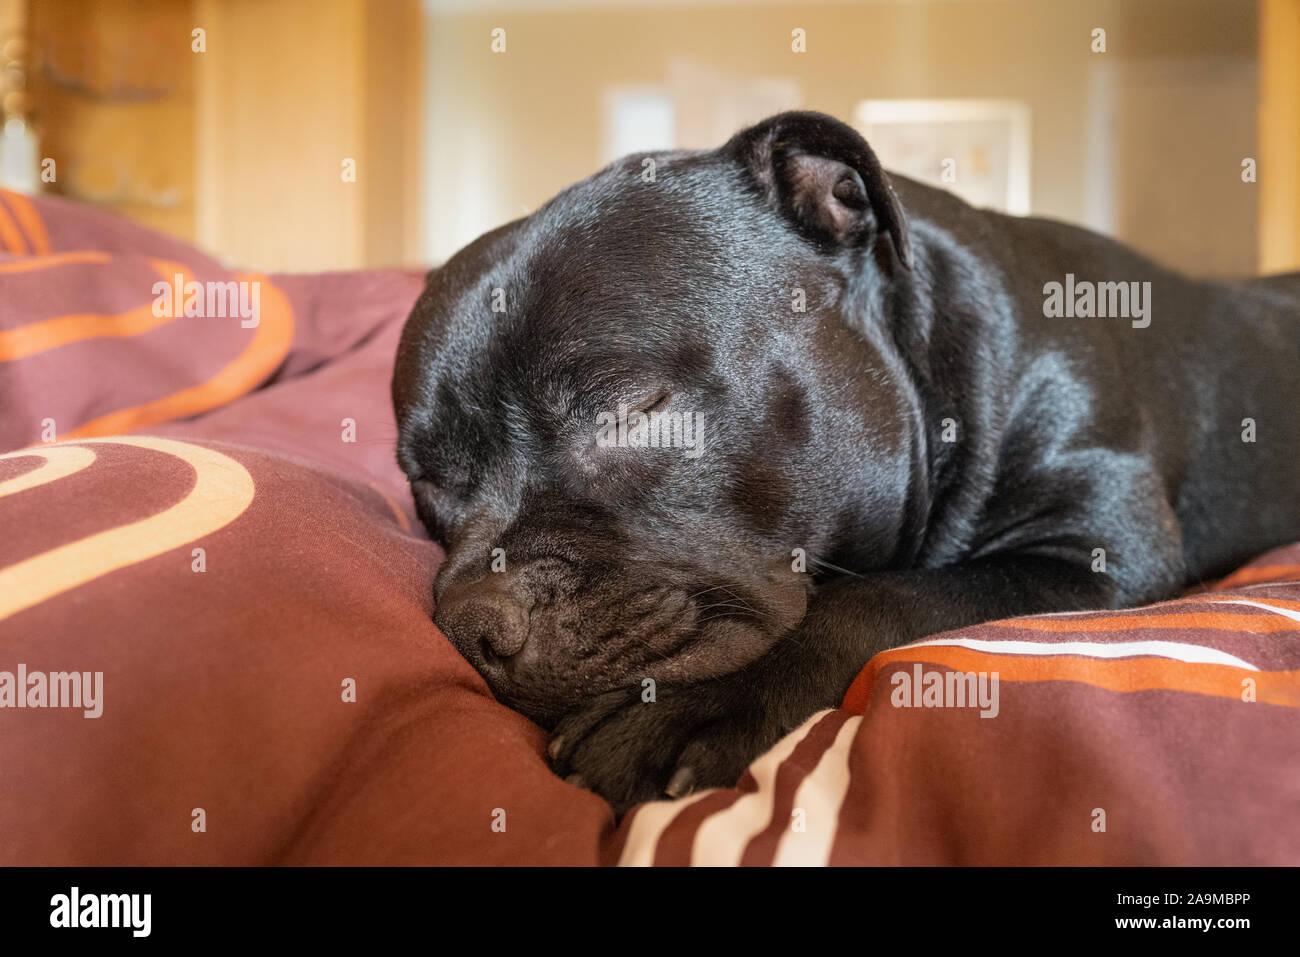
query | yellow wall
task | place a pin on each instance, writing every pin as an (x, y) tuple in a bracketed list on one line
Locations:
[(509, 130), (1144, 141)]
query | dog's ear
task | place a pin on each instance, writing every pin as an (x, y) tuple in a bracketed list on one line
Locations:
[(824, 177)]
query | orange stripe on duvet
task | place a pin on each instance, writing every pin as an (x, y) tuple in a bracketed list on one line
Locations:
[(263, 355), (1260, 573), (58, 331), (1221, 621), (30, 220), (34, 263), (11, 240), (1129, 674), (1217, 598)]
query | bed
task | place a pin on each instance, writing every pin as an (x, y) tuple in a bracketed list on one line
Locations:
[(205, 513)]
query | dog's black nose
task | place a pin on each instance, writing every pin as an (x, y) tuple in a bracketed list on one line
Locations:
[(485, 619)]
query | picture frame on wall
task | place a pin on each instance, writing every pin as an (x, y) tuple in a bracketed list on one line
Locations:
[(978, 149)]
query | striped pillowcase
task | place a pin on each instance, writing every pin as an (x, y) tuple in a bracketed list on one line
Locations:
[(1160, 735)]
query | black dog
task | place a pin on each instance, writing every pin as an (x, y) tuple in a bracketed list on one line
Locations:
[(915, 401)]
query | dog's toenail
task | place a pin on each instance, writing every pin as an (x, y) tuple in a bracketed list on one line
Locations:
[(681, 783)]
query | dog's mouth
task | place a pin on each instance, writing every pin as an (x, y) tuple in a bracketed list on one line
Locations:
[(568, 651)]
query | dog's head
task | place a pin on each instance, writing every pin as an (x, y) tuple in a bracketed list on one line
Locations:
[(644, 418)]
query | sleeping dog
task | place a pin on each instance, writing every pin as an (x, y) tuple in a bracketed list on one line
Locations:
[(710, 429)]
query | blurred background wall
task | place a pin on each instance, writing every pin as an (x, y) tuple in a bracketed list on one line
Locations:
[(458, 115)]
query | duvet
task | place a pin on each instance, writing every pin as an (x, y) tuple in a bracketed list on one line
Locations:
[(216, 644)]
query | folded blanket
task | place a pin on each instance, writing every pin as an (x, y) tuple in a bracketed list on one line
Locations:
[(205, 526)]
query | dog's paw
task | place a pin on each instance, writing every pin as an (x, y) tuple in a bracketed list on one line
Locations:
[(628, 749)]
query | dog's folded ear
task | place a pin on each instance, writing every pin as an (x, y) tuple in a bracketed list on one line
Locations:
[(821, 174)]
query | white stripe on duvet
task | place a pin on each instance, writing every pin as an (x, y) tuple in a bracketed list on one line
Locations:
[(721, 838), (1177, 650), (649, 824), (1284, 612), (820, 796), (653, 819)]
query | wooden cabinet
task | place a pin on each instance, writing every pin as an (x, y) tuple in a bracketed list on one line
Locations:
[(1279, 135), (281, 134)]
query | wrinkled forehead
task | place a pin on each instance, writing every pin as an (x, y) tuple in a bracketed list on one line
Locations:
[(632, 244), (620, 283), (618, 268)]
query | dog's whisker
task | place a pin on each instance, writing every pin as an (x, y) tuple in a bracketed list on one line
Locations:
[(747, 609), (825, 564), (704, 591)]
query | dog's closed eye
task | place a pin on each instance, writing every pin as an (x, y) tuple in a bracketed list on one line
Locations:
[(654, 403)]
